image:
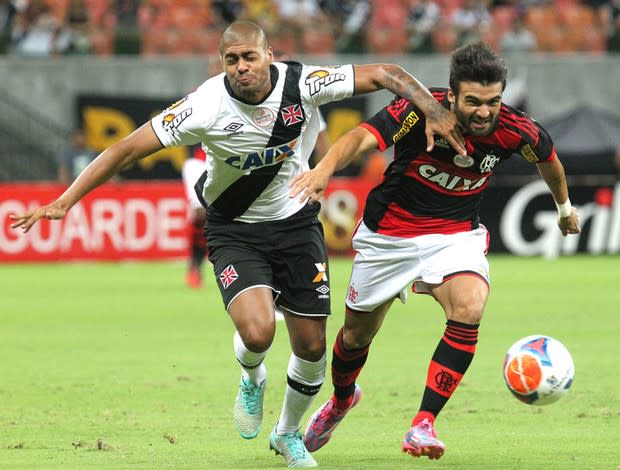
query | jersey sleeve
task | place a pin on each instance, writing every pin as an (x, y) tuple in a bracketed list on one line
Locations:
[(536, 144), (320, 85), (394, 122), (181, 123)]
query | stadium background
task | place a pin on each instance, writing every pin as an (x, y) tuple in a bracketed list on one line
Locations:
[(122, 61)]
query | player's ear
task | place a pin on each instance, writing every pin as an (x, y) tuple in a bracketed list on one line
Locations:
[(451, 96), (270, 54)]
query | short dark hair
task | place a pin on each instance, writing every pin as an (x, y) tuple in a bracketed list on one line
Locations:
[(242, 30), (478, 63)]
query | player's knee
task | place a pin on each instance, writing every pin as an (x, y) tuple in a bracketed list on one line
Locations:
[(356, 338), (469, 313), (311, 350), (257, 339)]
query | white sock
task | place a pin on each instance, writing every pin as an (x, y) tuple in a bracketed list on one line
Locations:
[(304, 382), (252, 366)]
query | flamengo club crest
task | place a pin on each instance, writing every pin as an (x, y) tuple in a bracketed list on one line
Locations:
[(228, 276), (488, 162), (292, 114)]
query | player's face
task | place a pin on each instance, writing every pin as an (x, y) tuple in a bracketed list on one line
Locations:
[(477, 106), (246, 64)]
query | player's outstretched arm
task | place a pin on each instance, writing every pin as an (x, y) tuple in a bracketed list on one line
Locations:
[(552, 172), (311, 184), (138, 144), (439, 120)]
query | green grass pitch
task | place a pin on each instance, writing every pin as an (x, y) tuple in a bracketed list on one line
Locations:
[(117, 366)]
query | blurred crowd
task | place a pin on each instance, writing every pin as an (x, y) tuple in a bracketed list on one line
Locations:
[(182, 27)]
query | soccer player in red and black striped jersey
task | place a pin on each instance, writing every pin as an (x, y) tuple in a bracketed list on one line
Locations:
[(421, 228)]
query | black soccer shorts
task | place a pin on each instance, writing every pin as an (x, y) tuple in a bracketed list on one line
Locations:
[(288, 255)]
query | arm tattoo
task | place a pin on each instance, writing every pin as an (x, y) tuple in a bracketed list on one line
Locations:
[(399, 82)]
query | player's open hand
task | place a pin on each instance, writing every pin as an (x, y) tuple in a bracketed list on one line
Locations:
[(309, 185), (570, 224), (440, 121), (27, 220)]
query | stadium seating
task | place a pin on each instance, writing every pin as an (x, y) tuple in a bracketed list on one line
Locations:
[(319, 40), (385, 32), (189, 27)]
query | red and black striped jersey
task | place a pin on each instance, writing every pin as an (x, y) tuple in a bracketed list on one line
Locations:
[(440, 191)]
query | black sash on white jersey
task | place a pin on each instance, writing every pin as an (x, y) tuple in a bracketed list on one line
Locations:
[(240, 195)]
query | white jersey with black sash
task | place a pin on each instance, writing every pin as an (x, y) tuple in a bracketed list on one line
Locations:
[(254, 149)]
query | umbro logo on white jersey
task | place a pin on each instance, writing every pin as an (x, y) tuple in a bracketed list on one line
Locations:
[(233, 128)]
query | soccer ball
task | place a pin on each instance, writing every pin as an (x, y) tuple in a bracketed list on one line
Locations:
[(538, 370)]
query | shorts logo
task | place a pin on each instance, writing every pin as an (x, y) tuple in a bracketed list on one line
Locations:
[(228, 276), (352, 294), (292, 114), (322, 275), (322, 78), (323, 290)]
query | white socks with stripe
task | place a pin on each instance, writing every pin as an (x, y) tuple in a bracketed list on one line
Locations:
[(304, 381), (252, 366)]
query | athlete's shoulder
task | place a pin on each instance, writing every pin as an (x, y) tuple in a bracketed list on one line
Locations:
[(519, 123), (509, 111), (213, 84)]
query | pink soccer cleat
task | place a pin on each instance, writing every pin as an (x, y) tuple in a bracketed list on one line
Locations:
[(421, 440), (324, 421)]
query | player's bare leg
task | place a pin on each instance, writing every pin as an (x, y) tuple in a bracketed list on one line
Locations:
[(252, 313)]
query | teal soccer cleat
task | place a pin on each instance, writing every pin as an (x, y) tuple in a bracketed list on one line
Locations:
[(248, 409), (292, 448)]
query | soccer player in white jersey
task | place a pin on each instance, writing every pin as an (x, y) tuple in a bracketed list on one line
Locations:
[(258, 121)]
